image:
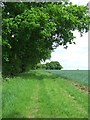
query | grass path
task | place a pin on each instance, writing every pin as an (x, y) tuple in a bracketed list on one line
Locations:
[(39, 94)]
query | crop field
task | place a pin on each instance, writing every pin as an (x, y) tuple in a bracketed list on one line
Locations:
[(80, 76), (40, 94)]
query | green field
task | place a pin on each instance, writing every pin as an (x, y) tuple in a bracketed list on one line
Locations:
[(39, 94), (80, 76)]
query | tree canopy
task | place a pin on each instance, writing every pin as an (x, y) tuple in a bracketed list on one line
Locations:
[(53, 65), (31, 31)]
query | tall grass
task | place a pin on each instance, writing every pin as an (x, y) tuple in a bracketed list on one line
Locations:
[(39, 94)]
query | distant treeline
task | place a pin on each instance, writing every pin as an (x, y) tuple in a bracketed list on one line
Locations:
[(53, 65)]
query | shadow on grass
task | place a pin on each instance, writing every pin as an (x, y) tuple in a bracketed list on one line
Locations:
[(37, 75), (15, 115), (34, 75)]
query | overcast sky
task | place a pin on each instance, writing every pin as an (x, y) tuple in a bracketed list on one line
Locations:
[(80, 2), (75, 56)]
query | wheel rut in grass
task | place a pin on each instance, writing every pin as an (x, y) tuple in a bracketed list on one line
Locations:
[(34, 101), (40, 105), (45, 102)]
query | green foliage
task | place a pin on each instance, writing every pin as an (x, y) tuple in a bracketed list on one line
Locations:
[(39, 66), (55, 65), (32, 30)]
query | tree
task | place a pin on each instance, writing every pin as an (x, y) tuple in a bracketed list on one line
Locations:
[(53, 65), (31, 31)]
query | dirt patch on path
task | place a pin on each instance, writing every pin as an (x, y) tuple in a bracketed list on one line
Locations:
[(81, 87)]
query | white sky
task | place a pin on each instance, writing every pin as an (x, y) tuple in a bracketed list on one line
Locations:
[(80, 2), (75, 56)]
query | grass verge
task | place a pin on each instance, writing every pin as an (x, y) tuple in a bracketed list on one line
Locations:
[(39, 94)]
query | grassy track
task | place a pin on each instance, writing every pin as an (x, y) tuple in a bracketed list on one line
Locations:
[(41, 94)]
